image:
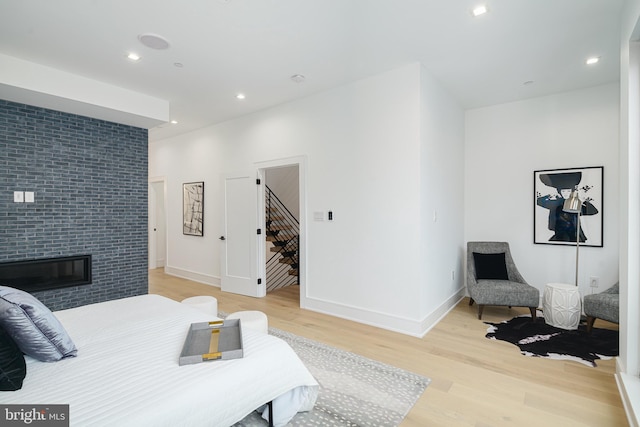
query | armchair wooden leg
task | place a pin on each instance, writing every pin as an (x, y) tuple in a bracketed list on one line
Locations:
[(590, 321), (470, 301), (533, 313), (480, 309)]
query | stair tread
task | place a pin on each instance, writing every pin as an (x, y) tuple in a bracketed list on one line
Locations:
[(280, 227), (279, 246), (286, 251)]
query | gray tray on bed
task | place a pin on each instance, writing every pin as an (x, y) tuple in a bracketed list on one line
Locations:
[(217, 340)]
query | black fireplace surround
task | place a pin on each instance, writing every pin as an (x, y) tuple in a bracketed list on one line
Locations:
[(48, 273)]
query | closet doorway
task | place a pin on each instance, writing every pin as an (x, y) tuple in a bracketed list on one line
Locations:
[(157, 223)]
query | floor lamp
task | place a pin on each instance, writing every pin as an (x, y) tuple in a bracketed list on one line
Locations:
[(574, 205), (561, 302)]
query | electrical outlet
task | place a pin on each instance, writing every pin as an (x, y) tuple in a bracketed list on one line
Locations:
[(594, 282)]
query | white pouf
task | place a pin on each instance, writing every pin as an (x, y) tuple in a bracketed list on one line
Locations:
[(255, 320), (562, 305), (205, 303)]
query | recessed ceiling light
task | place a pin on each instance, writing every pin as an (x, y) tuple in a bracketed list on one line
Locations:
[(479, 10), (178, 64), (593, 60), (528, 82), (240, 96), (153, 41), (174, 122), (133, 56)]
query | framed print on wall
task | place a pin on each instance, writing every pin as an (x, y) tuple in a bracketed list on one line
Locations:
[(553, 226), (193, 208)]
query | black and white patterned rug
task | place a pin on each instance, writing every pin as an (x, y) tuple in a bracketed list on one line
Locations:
[(354, 391), (541, 340)]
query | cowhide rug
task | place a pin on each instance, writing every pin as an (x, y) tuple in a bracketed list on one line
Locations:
[(541, 340)]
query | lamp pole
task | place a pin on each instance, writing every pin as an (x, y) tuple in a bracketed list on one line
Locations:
[(574, 205), (577, 243)]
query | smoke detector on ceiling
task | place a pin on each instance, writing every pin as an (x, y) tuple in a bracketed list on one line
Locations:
[(298, 78), (153, 41)]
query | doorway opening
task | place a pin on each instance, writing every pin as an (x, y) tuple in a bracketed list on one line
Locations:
[(157, 223), (284, 224)]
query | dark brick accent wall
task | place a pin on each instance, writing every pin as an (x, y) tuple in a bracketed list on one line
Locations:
[(90, 182)]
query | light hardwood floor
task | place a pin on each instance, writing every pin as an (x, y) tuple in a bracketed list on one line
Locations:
[(475, 381)]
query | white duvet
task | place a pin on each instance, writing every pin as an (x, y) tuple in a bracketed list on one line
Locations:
[(127, 373)]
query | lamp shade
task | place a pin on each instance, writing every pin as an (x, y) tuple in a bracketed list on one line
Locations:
[(573, 204)]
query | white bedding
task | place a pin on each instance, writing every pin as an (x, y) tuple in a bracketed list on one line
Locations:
[(127, 373)]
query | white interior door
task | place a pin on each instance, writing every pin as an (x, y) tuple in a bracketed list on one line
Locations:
[(239, 251)]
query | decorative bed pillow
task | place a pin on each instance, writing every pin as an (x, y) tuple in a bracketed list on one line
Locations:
[(13, 369), (34, 328), (490, 266)]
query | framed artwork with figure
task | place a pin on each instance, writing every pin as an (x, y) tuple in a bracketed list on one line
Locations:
[(551, 224)]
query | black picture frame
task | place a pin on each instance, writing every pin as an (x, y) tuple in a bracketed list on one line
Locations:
[(193, 208), (553, 226)]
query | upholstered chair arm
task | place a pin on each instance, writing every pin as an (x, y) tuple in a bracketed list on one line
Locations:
[(615, 289), (514, 274)]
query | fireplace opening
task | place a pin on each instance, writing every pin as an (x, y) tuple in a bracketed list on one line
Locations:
[(43, 274)]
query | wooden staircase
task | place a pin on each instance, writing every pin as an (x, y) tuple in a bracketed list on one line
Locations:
[(282, 230)]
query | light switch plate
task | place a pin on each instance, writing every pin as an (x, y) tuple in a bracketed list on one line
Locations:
[(29, 196), (18, 196)]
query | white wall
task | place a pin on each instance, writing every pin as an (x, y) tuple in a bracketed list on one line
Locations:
[(506, 143), (442, 194), (363, 146), (195, 158), (628, 364)]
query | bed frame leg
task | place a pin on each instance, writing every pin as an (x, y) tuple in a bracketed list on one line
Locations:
[(270, 413)]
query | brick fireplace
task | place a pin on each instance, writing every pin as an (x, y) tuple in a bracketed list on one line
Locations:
[(87, 182)]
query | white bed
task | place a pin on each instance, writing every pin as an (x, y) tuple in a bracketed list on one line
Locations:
[(126, 372)]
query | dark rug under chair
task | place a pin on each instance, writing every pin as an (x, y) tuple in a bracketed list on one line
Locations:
[(538, 339)]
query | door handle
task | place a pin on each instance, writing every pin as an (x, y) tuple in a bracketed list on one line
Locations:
[(222, 238)]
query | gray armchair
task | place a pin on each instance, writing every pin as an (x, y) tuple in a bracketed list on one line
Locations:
[(605, 305), (497, 280)]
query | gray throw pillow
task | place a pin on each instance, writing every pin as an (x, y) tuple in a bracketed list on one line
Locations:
[(34, 328)]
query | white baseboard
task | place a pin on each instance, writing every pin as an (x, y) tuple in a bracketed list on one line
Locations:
[(629, 388), (192, 275), (403, 325), (432, 319)]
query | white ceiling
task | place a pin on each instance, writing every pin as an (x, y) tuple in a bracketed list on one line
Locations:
[(254, 46)]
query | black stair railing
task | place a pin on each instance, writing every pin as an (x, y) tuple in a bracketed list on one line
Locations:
[(283, 231)]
